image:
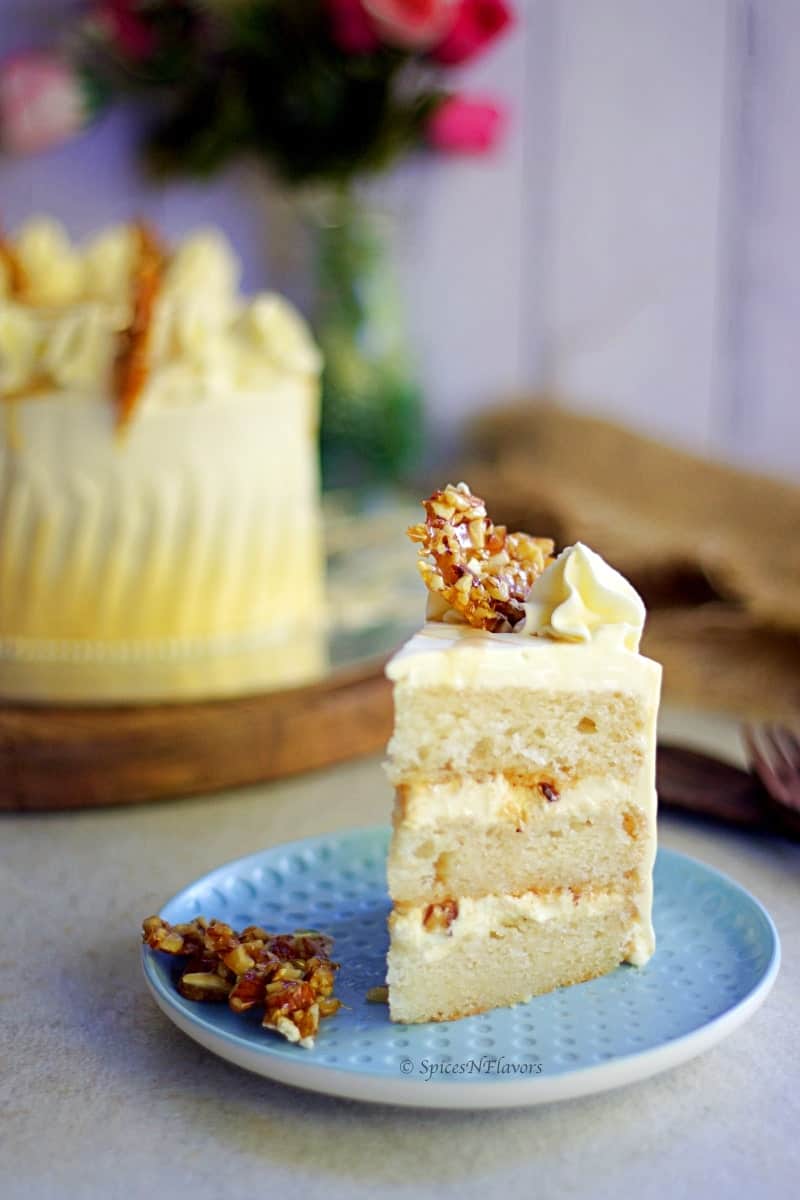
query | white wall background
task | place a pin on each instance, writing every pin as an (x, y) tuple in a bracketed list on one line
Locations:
[(634, 246)]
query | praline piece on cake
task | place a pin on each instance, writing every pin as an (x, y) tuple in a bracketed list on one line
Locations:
[(160, 533), (523, 758)]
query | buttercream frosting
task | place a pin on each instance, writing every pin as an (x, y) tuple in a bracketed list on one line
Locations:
[(453, 655), (479, 916), (61, 328), (52, 268), (580, 598), (143, 567), (19, 347), (488, 800)]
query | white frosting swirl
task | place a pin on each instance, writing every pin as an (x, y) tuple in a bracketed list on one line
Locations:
[(203, 262), (197, 302), (108, 264), (275, 328), (52, 270), (205, 341), (78, 350), (580, 598)]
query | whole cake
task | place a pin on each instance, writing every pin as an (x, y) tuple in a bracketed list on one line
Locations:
[(159, 512), (523, 758)]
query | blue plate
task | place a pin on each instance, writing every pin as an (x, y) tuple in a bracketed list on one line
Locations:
[(716, 960)]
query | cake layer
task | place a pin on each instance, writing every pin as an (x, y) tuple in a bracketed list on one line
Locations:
[(472, 836), (469, 702), (517, 730), (473, 955)]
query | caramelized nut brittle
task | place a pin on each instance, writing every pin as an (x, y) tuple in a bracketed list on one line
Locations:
[(204, 985), (440, 916), (473, 566), (328, 1005), (220, 938), (133, 351), (14, 270), (174, 939), (250, 989), (290, 975)]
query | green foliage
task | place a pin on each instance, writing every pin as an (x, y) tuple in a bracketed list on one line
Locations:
[(264, 77), (372, 406)]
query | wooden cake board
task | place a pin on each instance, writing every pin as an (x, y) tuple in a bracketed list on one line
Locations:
[(80, 757)]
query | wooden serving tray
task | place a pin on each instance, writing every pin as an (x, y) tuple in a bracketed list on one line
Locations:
[(69, 757)]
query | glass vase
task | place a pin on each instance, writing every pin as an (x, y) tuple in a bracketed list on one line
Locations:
[(371, 426)]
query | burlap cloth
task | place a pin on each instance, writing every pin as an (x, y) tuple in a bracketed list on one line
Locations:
[(714, 551)]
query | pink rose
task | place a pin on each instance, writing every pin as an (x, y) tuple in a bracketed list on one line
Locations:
[(351, 28), (121, 23), (412, 24), (42, 103), (477, 24), (463, 126)]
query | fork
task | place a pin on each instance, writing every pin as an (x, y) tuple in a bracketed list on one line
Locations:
[(774, 753)]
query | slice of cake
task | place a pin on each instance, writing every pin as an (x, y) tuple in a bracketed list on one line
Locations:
[(160, 524), (523, 758)]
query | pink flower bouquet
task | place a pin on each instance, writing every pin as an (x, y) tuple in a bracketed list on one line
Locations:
[(322, 92), (43, 101), (320, 89)]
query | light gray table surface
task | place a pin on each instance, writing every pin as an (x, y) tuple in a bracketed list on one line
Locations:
[(101, 1096)]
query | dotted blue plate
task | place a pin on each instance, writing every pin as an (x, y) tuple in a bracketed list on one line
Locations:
[(717, 958)]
